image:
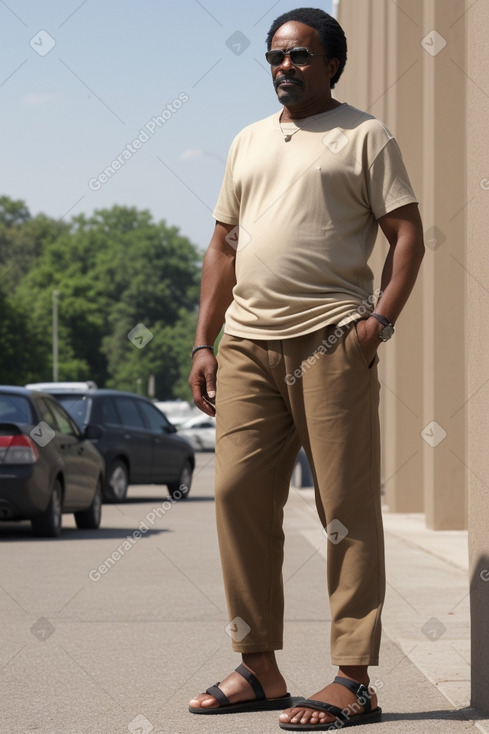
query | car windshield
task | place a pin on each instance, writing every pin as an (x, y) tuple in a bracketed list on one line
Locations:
[(76, 406), (15, 409)]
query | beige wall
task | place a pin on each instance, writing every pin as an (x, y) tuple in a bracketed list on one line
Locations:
[(477, 328), (432, 91), (392, 75)]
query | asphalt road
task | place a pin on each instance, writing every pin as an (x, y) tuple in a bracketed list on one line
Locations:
[(114, 630)]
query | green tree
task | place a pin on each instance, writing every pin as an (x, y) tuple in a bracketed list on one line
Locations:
[(165, 356), (114, 270), (22, 239), (21, 350), (13, 212)]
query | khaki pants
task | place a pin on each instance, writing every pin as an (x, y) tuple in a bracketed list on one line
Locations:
[(273, 396)]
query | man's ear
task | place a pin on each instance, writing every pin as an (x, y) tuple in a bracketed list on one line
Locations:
[(332, 65)]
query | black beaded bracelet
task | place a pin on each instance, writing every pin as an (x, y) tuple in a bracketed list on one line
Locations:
[(202, 346)]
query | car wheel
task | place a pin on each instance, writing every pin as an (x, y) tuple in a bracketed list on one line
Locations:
[(117, 481), (48, 525), (180, 490), (90, 519)]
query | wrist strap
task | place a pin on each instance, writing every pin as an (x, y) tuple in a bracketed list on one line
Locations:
[(202, 346), (381, 319)]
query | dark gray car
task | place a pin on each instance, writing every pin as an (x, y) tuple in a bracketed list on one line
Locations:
[(47, 465), (137, 441)]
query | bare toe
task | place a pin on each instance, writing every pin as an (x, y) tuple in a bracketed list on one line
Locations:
[(203, 701)]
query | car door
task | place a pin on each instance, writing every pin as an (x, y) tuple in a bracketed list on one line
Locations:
[(167, 460), (205, 432), (67, 445), (87, 471), (137, 438)]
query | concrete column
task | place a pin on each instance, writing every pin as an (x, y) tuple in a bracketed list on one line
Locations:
[(402, 373), (477, 330), (384, 77), (444, 211)]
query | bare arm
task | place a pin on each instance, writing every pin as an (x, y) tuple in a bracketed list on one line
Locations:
[(218, 281), (404, 232)]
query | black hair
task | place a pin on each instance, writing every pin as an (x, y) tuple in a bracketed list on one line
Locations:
[(331, 34)]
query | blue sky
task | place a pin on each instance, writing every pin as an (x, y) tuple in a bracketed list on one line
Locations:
[(79, 81)]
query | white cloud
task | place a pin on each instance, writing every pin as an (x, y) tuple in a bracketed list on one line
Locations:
[(35, 99), (191, 153)]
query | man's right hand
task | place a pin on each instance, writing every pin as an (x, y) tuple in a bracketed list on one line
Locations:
[(218, 281), (202, 381)]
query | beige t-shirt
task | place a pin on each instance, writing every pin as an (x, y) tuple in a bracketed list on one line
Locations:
[(307, 211)]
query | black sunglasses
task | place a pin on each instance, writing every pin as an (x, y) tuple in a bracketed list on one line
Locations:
[(299, 56)]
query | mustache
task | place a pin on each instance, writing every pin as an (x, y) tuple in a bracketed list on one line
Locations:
[(285, 78)]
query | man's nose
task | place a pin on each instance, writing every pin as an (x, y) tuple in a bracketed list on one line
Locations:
[(286, 64)]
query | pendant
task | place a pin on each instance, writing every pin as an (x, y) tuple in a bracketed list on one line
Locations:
[(287, 138)]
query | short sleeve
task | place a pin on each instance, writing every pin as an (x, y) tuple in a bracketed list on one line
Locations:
[(388, 183), (228, 205)]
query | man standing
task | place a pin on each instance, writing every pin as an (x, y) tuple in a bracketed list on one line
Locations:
[(297, 217)]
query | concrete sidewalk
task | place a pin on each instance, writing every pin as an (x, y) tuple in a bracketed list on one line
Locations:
[(424, 676), (124, 651), (426, 614)]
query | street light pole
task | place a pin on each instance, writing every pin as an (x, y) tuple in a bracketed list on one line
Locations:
[(55, 335)]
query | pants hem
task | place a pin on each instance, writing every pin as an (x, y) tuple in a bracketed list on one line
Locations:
[(354, 661), (264, 647)]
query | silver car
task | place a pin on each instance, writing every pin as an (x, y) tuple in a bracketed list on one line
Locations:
[(200, 432)]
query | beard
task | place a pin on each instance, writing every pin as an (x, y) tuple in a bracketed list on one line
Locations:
[(289, 95)]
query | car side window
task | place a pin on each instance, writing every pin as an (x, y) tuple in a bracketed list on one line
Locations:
[(46, 414), (65, 425), (77, 407), (15, 408), (154, 417), (129, 413), (110, 417)]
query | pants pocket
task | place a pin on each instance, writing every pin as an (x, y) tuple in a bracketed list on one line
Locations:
[(358, 348)]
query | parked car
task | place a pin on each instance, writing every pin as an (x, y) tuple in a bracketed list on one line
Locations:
[(177, 411), (47, 465), (302, 474), (200, 432), (137, 441), (78, 386)]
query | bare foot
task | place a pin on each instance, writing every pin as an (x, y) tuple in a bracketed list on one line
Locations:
[(237, 689), (335, 694)]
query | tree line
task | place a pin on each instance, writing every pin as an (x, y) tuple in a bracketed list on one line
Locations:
[(113, 271)]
